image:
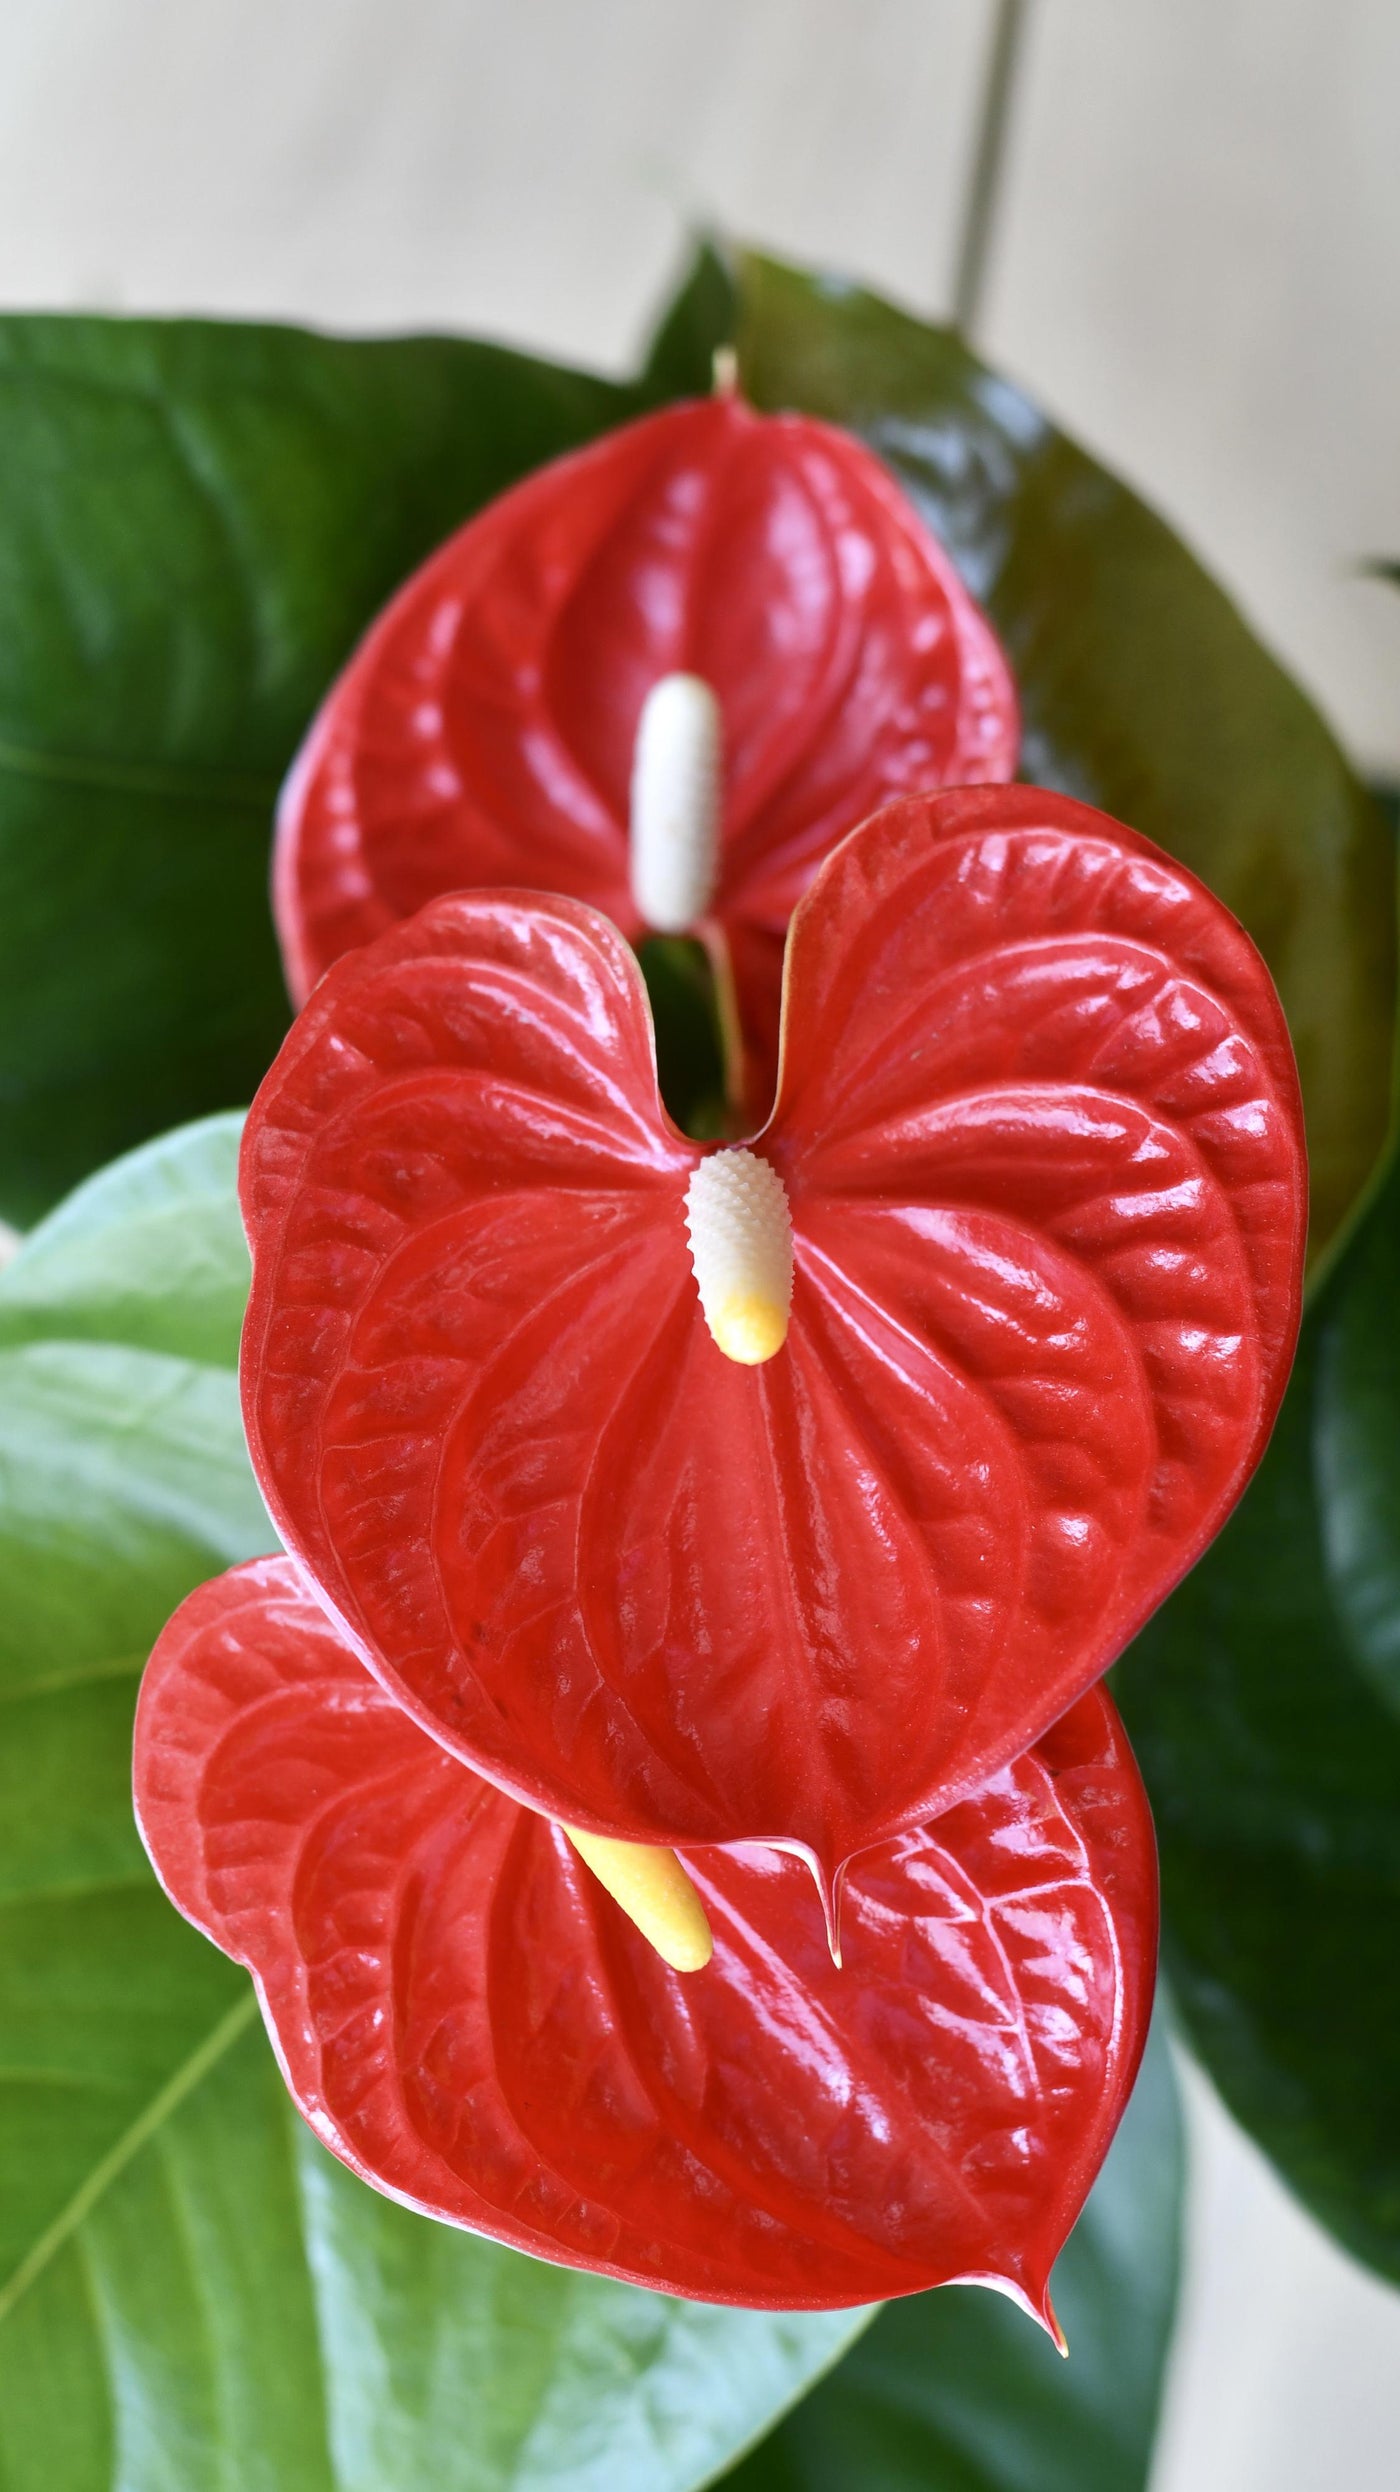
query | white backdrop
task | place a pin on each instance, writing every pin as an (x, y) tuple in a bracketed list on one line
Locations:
[(1197, 266)]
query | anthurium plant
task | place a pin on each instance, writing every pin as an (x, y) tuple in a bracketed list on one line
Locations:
[(817, 956)]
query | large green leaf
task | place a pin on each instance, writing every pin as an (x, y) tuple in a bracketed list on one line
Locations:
[(192, 2292), (1264, 1702), (1143, 690), (197, 520), (956, 2392)]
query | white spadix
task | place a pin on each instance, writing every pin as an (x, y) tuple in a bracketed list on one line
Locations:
[(676, 803), (736, 1210)]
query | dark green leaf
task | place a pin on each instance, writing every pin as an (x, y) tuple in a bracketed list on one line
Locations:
[(1388, 798), (957, 2391), (1143, 690), (703, 316), (685, 1016), (192, 2293), (1264, 1702), (197, 520)]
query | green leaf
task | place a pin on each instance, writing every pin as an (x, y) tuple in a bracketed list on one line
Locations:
[(1264, 1702), (191, 2291), (149, 1252), (123, 1475), (703, 316), (956, 2392), (197, 520), (1142, 688), (1388, 798), (689, 1045)]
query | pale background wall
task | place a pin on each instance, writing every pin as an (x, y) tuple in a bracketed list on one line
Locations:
[(1197, 266)]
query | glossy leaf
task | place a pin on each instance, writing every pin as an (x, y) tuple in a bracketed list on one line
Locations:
[(1038, 1130), (468, 2021), (948, 2392), (197, 519), (1142, 689), (1265, 1700), (485, 730), (191, 2290)]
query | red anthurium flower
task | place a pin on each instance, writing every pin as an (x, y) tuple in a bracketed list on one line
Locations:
[(1035, 1181), (468, 2022), (485, 733)]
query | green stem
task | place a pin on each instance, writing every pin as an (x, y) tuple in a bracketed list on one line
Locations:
[(988, 162)]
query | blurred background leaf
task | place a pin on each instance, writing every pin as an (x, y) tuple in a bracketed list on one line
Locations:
[(197, 520), (192, 2292), (1142, 688), (955, 2392), (1264, 1704)]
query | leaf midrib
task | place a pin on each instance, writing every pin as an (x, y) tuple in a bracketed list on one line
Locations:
[(160, 2108), (200, 785), (83, 1674)]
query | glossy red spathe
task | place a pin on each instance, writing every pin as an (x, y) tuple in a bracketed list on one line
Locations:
[(469, 2023), (483, 734), (1041, 1137)]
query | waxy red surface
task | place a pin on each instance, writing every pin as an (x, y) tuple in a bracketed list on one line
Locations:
[(1040, 1131), (468, 2021), (483, 733)]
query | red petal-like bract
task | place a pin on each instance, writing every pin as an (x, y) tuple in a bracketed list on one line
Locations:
[(483, 733), (469, 2022), (1041, 1136)]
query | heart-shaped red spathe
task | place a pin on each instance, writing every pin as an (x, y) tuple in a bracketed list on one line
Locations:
[(469, 2022), (1041, 1137), (483, 734)]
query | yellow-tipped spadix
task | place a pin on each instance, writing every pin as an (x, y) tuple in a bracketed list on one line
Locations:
[(749, 1329), (736, 1210), (655, 1893)]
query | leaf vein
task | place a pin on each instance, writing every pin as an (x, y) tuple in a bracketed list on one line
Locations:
[(200, 784), (114, 2163)]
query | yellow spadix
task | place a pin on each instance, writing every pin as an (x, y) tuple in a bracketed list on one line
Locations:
[(654, 1892), (736, 1210)]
